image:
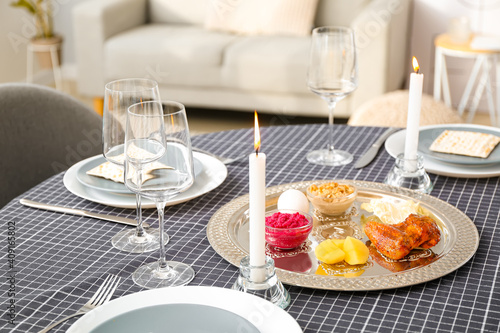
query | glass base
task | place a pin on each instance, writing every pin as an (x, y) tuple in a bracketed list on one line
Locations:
[(149, 276), (262, 281), (410, 173), (127, 241), (326, 157)]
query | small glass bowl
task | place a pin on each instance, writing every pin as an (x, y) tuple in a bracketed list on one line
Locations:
[(332, 206), (288, 238)]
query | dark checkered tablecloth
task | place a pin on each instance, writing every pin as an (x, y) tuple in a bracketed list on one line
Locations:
[(60, 260)]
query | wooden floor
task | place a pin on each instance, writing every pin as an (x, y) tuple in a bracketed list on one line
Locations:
[(206, 120)]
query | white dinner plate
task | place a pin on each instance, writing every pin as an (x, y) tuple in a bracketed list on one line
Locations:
[(213, 173), (394, 145), (109, 185), (142, 312)]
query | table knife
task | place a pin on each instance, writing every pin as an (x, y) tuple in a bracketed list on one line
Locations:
[(370, 154), (81, 212)]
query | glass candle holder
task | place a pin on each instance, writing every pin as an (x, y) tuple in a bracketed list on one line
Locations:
[(262, 281), (410, 173)]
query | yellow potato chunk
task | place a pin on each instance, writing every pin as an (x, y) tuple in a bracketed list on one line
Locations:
[(328, 252), (339, 243), (356, 252)]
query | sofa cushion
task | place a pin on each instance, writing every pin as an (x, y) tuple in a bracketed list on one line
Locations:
[(178, 11), (262, 17), (258, 63), (338, 12), (169, 54)]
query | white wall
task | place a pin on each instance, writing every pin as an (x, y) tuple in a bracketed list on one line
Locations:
[(16, 27)]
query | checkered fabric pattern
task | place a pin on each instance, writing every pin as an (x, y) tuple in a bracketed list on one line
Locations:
[(60, 260)]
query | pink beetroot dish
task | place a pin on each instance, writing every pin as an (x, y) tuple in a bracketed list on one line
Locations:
[(287, 229)]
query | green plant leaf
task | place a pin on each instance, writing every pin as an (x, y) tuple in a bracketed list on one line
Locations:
[(25, 4)]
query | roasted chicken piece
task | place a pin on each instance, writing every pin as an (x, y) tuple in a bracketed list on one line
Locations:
[(397, 240), (402, 265)]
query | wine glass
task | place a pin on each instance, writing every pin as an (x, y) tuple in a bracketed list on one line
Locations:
[(119, 95), (159, 165), (332, 74)]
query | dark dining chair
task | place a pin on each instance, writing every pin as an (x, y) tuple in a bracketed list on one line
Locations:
[(42, 132)]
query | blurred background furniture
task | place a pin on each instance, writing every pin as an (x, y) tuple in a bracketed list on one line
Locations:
[(484, 61), (54, 64), (42, 133), (172, 42), (391, 110)]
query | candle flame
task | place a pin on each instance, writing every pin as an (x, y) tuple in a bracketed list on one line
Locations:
[(256, 144), (416, 67)]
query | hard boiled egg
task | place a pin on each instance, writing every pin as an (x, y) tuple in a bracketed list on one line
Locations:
[(293, 200)]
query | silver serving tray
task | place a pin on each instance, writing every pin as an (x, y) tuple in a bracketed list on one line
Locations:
[(227, 233)]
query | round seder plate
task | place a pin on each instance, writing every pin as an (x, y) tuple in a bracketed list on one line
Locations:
[(227, 233)]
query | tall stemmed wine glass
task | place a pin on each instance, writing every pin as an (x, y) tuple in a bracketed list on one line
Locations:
[(332, 74), (162, 139), (118, 96)]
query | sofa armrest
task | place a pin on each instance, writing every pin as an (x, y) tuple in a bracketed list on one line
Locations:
[(94, 21), (382, 41)]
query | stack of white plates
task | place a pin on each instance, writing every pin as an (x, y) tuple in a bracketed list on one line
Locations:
[(449, 164), (209, 172)]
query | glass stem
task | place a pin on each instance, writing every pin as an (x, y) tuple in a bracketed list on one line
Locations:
[(162, 262), (139, 231), (331, 108)]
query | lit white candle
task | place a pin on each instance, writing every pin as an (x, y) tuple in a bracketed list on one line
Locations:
[(413, 122), (257, 206)]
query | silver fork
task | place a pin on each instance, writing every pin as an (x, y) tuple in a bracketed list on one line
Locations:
[(225, 160), (102, 296)]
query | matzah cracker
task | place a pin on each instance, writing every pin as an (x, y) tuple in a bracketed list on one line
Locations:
[(114, 172), (466, 143), (109, 171)]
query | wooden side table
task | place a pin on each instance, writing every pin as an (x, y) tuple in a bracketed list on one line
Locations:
[(56, 66), (484, 61)]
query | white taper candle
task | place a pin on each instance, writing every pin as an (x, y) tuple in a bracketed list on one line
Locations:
[(413, 121), (257, 207)]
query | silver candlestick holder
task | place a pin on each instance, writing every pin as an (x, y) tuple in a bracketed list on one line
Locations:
[(410, 173), (262, 281)]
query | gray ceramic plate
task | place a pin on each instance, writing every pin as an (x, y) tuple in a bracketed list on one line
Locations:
[(427, 137), (177, 318)]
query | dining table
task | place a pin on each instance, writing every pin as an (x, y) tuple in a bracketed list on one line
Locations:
[(54, 262)]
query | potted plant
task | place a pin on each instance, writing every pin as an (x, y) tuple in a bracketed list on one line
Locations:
[(42, 14)]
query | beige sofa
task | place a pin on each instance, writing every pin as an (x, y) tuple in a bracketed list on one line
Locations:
[(167, 40)]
